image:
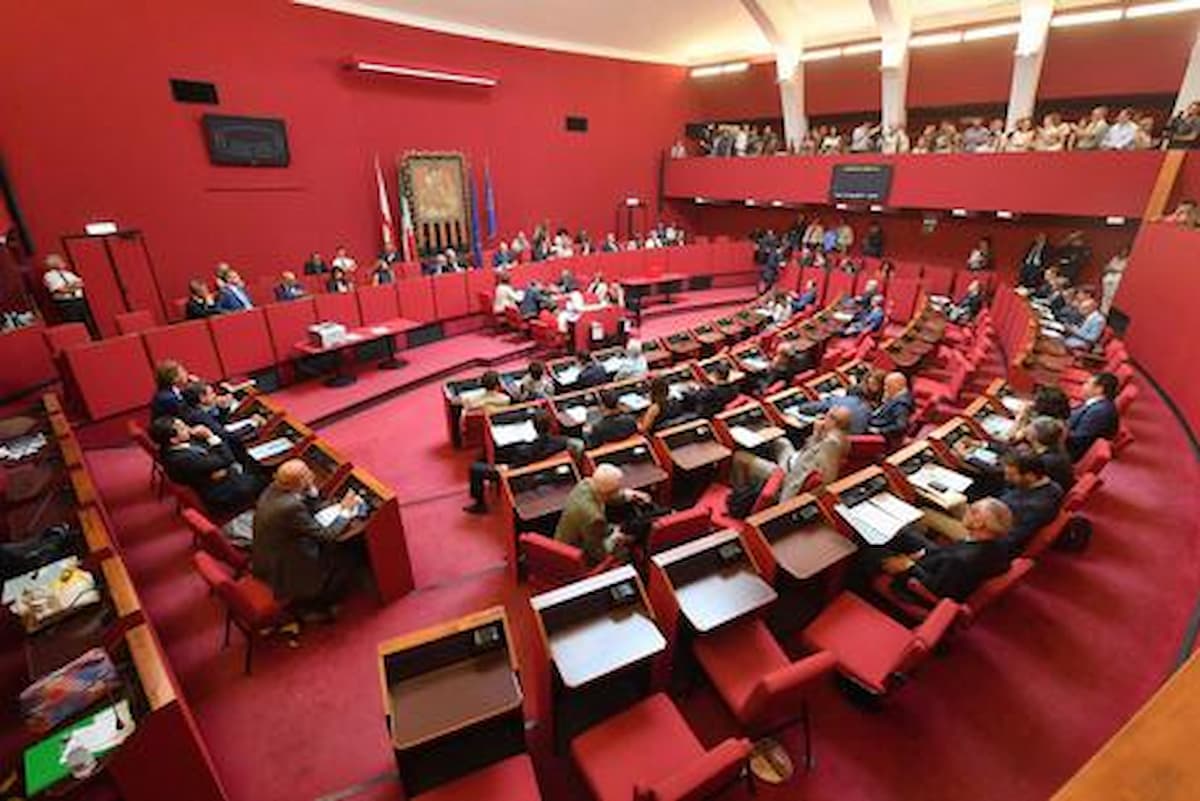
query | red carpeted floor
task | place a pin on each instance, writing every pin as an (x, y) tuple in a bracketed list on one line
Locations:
[(1013, 708)]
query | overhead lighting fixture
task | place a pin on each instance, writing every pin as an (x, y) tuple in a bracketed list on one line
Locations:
[(963, 212), (699, 201), (103, 228), (841, 207), (862, 48), (1004, 215), (992, 31), (633, 201), (1155, 9), (936, 39), (1085, 18), (822, 55), (1114, 220), (776, 203), (720, 69), (423, 73), (875, 207), (750, 202)]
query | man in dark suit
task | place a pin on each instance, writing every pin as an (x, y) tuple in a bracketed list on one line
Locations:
[(196, 457), (288, 287), (169, 381), (591, 373), (201, 407), (1031, 496), (1095, 418), (233, 295), (315, 265), (295, 553), (614, 425), (890, 418), (200, 302), (1033, 263), (957, 569)]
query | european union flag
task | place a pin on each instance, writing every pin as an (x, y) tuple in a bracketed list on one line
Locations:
[(489, 200), (476, 239)]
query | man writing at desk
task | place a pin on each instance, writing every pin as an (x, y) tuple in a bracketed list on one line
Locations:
[(296, 553), (584, 522)]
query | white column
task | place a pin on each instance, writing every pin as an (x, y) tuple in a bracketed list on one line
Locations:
[(893, 18), (791, 99), (1189, 90), (1027, 61), (893, 84)]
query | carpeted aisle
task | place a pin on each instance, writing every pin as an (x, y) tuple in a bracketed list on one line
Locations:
[(1013, 708)]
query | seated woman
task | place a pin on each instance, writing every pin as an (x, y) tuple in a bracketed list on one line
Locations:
[(663, 410), (338, 282), (382, 274)]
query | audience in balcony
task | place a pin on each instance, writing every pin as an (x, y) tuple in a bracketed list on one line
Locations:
[(980, 257), (1183, 130), (383, 273), (341, 258), (894, 140), (288, 287), (201, 302), (1122, 134), (1089, 133)]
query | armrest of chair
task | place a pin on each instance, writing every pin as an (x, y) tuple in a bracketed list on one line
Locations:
[(549, 552), (701, 778), (934, 628), (777, 692)]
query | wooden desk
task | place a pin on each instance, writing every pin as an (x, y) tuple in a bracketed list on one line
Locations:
[(639, 467), (695, 455), (382, 529), (800, 538), (452, 400), (589, 634), (356, 337), (540, 489), (714, 580)]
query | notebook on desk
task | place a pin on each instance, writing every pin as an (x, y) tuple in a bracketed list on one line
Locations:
[(878, 519), (272, 447), (633, 402), (750, 440), (939, 479), (577, 414), (998, 427), (511, 434)]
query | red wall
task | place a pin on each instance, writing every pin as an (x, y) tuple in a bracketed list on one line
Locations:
[(91, 130), (1159, 293), (973, 72), (905, 238), (841, 85), (740, 95)]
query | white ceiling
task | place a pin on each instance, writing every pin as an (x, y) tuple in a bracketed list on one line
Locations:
[(666, 31)]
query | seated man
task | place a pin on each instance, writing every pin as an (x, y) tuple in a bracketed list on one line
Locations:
[(870, 320), (288, 287), (634, 364), (535, 299), (712, 400), (492, 398), (233, 295), (518, 454), (1095, 418), (823, 453), (863, 301), (855, 402), (1047, 437), (584, 522), (968, 305), (200, 302), (503, 257), (197, 458), (614, 425), (200, 408), (534, 385), (806, 298), (169, 380), (294, 553), (890, 418), (786, 365), (591, 372), (1086, 334), (957, 569)]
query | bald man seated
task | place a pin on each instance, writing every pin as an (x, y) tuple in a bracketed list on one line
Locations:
[(957, 569), (584, 522), (823, 453), (890, 417), (295, 553)]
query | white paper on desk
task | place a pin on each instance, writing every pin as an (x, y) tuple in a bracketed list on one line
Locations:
[(745, 437), (843, 316), (633, 402), (272, 447), (513, 433), (568, 375), (578, 414), (233, 407), (1014, 404), (998, 427), (840, 392), (472, 394), (353, 337), (329, 515), (949, 480), (940, 300), (757, 365), (612, 364), (239, 426), (21, 447), (895, 508), (102, 734), (41, 578), (676, 391), (380, 330), (984, 455), (866, 528), (1054, 325)]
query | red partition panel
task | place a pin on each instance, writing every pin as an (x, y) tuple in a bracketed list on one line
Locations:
[(937, 280), (113, 375), (739, 257), (690, 260), (25, 355), (902, 297), (450, 295), (90, 261), (137, 276), (655, 262), (840, 283), (789, 279), (61, 337), (408, 269), (190, 343), (963, 279), (377, 304), (313, 285), (338, 307), (134, 322), (480, 286), (288, 324), (416, 300), (243, 342)]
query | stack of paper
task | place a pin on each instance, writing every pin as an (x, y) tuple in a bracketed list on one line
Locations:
[(567, 375), (239, 426), (327, 516), (633, 401), (505, 435), (880, 518), (34, 580), (577, 414), (757, 365), (272, 447), (746, 438), (982, 454), (998, 427), (472, 394), (613, 363), (1014, 404)]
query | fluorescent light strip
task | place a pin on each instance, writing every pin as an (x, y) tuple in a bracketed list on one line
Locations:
[(936, 39), (776, 203), (100, 228), (1114, 220), (433, 75), (1004, 215), (863, 47), (822, 55), (699, 201), (720, 69), (876, 208), (750, 202), (1085, 18), (959, 212), (1154, 9), (841, 207), (992, 32)]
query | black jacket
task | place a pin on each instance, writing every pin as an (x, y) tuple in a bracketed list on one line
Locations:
[(1089, 422), (194, 465), (956, 570)]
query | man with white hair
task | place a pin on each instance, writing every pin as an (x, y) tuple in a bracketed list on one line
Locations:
[(1087, 333), (584, 522), (634, 364), (890, 418), (958, 569)]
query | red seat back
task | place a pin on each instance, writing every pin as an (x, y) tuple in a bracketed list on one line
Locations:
[(450, 296), (134, 322), (416, 299), (701, 779), (679, 527), (338, 307), (1125, 398), (61, 337), (212, 571), (377, 304), (95, 366), (769, 494), (288, 324), (937, 280), (997, 586), (243, 342), (1095, 458), (549, 563), (190, 343), (212, 541)]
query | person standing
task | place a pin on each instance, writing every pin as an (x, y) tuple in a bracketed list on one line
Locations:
[(1110, 281), (67, 291)]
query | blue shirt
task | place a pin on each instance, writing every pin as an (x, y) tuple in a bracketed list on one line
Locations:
[(860, 410)]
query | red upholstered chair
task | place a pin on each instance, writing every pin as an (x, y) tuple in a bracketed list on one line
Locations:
[(1095, 458), (549, 563), (1085, 485), (1048, 534), (763, 689), (678, 528), (209, 538), (514, 320), (648, 753), (66, 335), (768, 496), (544, 329), (249, 603), (983, 596), (511, 779), (1125, 398), (134, 322), (142, 439), (1124, 438), (474, 429), (865, 449), (872, 649)]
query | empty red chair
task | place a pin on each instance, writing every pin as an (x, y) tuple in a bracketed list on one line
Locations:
[(1123, 439), (249, 603), (1095, 458), (649, 752), (134, 322), (511, 779), (1084, 486), (872, 649), (1125, 398), (474, 428), (546, 334), (865, 449), (209, 538), (763, 689), (66, 335), (679, 527), (549, 563)]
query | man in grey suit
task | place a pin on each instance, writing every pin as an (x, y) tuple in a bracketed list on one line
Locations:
[(822, 453), (294, 552)]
